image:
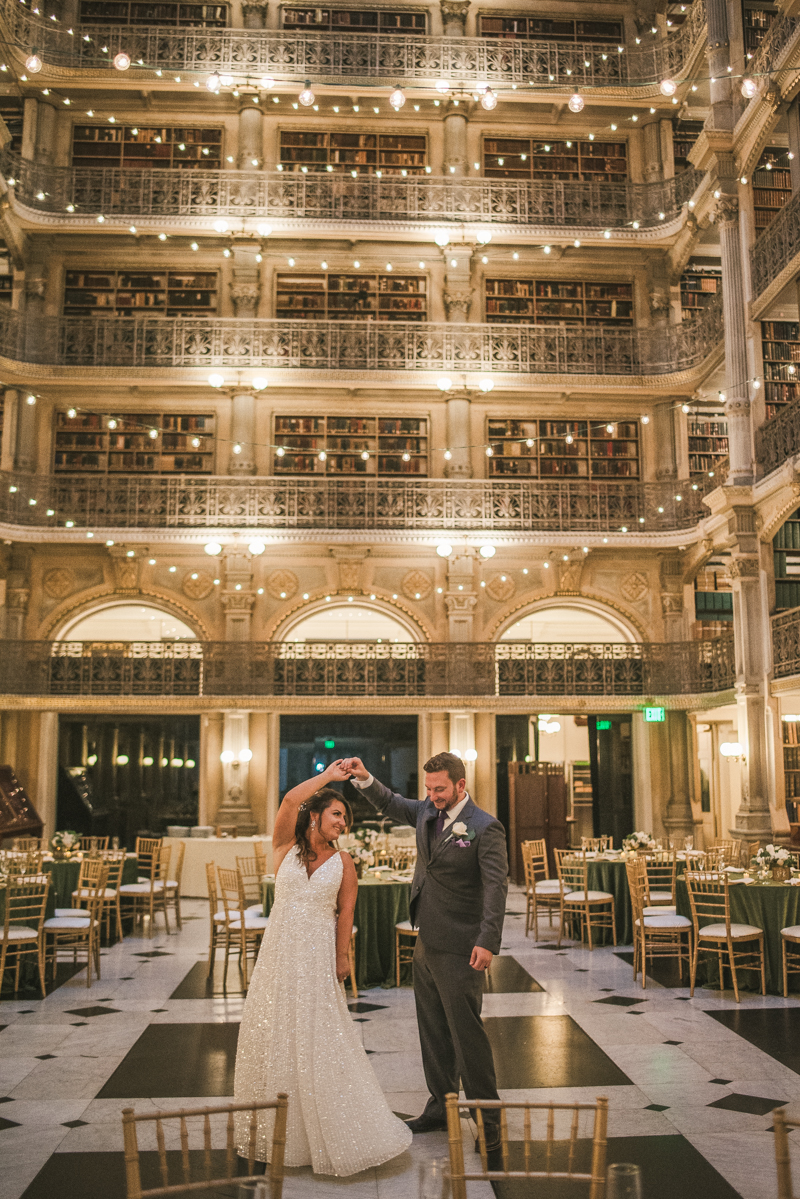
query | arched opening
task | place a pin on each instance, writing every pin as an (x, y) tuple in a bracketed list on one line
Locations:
[(568, 623), (127, 622), (349, 622)]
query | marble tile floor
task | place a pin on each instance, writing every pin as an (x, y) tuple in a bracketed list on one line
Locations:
[(691, 1084)]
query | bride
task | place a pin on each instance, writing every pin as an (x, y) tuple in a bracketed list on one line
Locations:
[(297, 1034)]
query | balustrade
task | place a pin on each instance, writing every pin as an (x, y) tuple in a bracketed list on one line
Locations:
[(777, 247), (503, 669), (779, 438), (786, 643)]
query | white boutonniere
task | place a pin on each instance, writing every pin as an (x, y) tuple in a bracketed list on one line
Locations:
[(459, 827), (462, 836)]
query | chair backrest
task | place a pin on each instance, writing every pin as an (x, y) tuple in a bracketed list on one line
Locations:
[(534, 853), (27, 844), (177, 867), (174, 1127), (146, 850), (573, 870), (231, 892), (661, 870), (551, 1146), (26, 901), (729, 845), (90, 871), (161, 864), (250, 878), (213, 896), (96, 887), (636, 870), (261, 857), (404, 856), (782, 1126), (115, 860), (94, 844), (716, 857), (747, 851), (709, 898)]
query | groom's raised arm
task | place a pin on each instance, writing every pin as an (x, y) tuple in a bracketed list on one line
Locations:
[(387, 802)]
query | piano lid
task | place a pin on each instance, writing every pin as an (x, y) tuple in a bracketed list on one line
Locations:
[(18, 817)]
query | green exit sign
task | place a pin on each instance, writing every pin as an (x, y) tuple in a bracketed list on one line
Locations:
[(603, 724), (655, 715), (330, 744)]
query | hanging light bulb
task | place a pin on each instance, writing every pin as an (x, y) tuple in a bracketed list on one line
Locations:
[(489, 100), (444, 383), (33, 63), (575, 102), (749, 88), (306, 97), (442, 86), (267, 82), (485, 384), (668, 87), (122, 61), (442, 238), (397, 99), (212, 83)]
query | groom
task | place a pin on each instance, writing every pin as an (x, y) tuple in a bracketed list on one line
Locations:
[(458, 900)]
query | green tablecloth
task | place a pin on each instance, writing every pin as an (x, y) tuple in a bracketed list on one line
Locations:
[(771, 906), (379, 907), (611, 876), (64, 880)]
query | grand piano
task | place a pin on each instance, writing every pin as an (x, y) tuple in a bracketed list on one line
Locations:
[(18, 817)]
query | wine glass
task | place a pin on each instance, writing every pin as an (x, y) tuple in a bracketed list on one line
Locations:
[(688, 843), (434, 1179)]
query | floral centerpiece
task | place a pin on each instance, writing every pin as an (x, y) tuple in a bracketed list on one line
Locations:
[(65, 843), (361, 854), (776, 858), (636, 841)]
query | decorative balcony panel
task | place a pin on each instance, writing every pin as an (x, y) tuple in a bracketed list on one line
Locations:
[(777, 249), (333, 57), (367, 346), (779, 37), (507, 505), (779, 438), (214, 668), (786, 644), (321, 196)]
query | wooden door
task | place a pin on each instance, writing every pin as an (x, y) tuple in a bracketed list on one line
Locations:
[(537, 809)]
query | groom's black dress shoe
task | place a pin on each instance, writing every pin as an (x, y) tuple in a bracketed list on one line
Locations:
[(425, 1123)]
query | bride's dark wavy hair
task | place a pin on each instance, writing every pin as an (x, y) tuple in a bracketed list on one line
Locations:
[(315, 806)]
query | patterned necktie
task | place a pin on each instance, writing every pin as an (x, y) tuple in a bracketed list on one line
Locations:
[(440, 824)]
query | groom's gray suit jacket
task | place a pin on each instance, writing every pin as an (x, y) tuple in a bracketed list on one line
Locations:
[(458, 896)]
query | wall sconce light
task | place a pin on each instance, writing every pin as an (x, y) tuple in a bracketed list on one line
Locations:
[(229, 758), (470, 755), (732, 749)]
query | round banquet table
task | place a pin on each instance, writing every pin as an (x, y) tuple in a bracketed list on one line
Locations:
[(771, 906), (379, 907), (64, 880), (610, 875)]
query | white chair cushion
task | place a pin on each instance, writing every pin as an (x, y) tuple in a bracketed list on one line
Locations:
[(661, 910), (19, 933), (255, 909), (737, 930), (666, 921), (592, 896), (792, 931), (355, 929), (661, 897), (108, 893), (79, 912), (405, 926), (139, 888), (141, 879), (250, 922), (172, 882), (69, 922), (547, 886)]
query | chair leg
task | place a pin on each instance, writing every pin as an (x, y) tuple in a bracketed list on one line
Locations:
[(614, 927), (763, 967), (785, 972), (733, 970), (40, 955), (588, 919)]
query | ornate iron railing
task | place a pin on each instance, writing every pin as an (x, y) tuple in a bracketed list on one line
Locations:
[(508, 505), (780, 34), (214, 668), (356, 57), (776, 247), (779, 438), (320, 196), (208, 342), (786, 643)]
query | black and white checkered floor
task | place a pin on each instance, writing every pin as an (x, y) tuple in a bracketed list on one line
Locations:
[(691, 1083)]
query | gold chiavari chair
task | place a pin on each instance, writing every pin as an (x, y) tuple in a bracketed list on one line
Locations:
[(405, 940), (80, 929), (730, 847), (549, 1158), (22, 934), (146, 849), (790, 954), (540, 889), (261, 857), (251, 877), (150, 896), (709, 897), (592, 909), (174, 884), (747, 851), (657, 932), (21, 862), (28, 844), (243, 932), (782, 1124), (661, 868), (404, 858), (201, 1177), (94, 845), (597, 844), (216, 917), (114, 859)]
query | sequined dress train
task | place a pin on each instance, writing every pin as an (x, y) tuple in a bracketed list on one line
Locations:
[(297, 1035)]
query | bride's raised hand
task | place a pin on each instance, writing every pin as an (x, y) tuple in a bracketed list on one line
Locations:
[(336, 772)]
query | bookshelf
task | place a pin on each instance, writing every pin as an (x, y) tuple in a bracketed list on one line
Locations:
[(365, 153), (396, 445), (138, 147), (593, 453), (547, 302), (684, 136), (570, 161), (11, 112), (388, 21), (708, 441), (548, 29), (382, 297), (772, 185), (791, 762), (713, 599), (786, 551), (85, 444), (757, 21), (780, 352), (134, 12), (700, 285), (139, 293)]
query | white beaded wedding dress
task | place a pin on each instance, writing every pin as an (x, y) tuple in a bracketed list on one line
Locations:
[(297, 1035)]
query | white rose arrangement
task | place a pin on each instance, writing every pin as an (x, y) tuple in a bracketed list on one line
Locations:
[(639, 840), (773, 855)]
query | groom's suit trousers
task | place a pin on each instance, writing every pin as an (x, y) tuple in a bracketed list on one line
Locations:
[(455, 1047)]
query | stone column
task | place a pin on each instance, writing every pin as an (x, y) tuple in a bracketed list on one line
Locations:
[(667, 149), (737, 401), (462, 742), (47, 771), (652, 151), (678, 819), (793, 124), (751, 631), (235, 807), (455, 139), (251, 125), (46, 135), (238, 596), (717, 55), (243, 427), (25, 457), (664, 434), (210, 795), (30, 122), (460, 598), (273, 768), (454, 16), (458, 438), (16, 611), (255, 13)]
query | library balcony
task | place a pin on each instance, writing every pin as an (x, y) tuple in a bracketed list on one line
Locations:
[(779, 438), (775, 256), (216, 669), (337, 201), (111, 503), (786, 644), (291, 55), (376, 349)]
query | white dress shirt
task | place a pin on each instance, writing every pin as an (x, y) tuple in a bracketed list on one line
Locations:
[(450, 817)]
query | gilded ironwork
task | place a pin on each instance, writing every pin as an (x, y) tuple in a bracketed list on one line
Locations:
[(779, 438), (786, 644), (777, 246)]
